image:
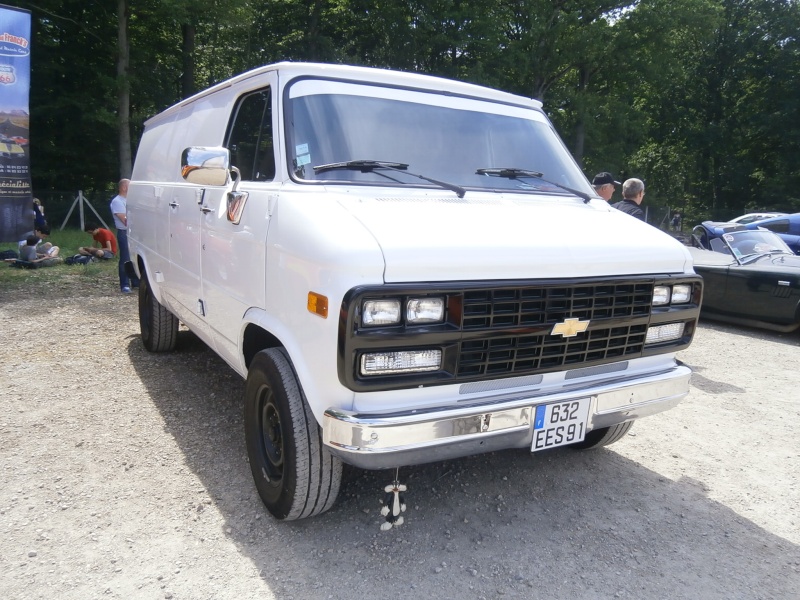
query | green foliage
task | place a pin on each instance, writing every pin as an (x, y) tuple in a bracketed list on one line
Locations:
[(699, 98)]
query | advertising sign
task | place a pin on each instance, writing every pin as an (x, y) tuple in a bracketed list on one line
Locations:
[(16, 199)]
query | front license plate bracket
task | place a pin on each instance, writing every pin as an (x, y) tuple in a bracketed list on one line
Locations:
[(560, 424)]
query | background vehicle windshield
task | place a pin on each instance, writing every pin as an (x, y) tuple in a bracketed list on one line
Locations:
[(438, 136), (746, 243)]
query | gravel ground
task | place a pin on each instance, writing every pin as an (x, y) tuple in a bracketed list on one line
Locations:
[(124, 476)]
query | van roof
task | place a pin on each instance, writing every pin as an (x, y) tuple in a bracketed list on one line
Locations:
[(291, 70)]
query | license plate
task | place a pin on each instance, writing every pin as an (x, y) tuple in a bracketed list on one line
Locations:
[(560, 424)]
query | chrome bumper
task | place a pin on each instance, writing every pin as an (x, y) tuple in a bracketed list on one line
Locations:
[(388, 440)]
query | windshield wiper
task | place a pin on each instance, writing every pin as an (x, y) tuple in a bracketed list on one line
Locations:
[(514, 173), (370, 165)]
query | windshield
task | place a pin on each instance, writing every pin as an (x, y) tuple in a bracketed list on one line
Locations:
[(747, 244), (432, 135)]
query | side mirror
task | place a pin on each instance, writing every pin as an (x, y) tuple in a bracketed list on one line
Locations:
[(205, 166), (236, 200)]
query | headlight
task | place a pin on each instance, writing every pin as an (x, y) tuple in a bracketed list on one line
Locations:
[(409, 361), (380, 312), (424, 310), (661, 295), (681, 293), (664, 333)]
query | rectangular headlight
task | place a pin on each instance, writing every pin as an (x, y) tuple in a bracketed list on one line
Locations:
[(424, 310), (407, 361), (664, 333), (380, 312), (661, 295), (681, 294)]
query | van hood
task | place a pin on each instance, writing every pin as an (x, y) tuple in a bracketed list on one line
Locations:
[(495, 236)]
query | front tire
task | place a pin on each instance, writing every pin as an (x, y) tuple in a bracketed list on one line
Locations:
[(158, 326), (597, 438), (295, 475)]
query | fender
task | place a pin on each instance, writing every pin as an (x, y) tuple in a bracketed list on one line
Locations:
[(334, 393), (139, 264)]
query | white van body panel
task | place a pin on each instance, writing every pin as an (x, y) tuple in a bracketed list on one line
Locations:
[(244, 286), (493, 236)]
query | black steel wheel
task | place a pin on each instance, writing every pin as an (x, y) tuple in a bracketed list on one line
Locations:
[(294, 473), (158, 326)]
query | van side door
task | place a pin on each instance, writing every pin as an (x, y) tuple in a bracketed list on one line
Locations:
[(233, 235)]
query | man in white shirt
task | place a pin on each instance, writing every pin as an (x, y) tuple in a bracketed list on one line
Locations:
[(119, 209)]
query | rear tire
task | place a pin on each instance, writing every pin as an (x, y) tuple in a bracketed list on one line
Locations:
[(158, 326), (597, 438), (294, 473)]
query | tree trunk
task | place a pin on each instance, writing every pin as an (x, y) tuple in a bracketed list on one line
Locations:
[(187, 79), (580, 125), (123, 91), (314, 47)]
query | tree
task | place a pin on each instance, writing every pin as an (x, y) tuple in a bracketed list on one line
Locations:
[(123, 91), (697, 97), (74, 133)]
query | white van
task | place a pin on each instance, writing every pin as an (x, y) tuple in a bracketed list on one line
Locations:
[(404, 269)]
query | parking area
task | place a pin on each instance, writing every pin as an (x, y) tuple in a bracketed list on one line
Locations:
[(124, 475)]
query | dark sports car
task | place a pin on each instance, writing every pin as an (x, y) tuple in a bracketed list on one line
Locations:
[(751, 277)]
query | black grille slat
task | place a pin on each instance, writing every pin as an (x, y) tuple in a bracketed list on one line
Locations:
[(514, 307), (494, 313)]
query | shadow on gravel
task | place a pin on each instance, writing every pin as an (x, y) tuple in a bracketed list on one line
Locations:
[(743, 331), (710, 386), (560, 524)]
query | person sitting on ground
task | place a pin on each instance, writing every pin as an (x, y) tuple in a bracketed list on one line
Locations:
[(28, 251), (105, 243), (45, 249), (30, 258)]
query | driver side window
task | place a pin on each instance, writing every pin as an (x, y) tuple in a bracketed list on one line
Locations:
[(250, 137)]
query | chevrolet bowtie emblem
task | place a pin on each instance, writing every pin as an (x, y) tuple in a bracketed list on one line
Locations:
[(570, 328)]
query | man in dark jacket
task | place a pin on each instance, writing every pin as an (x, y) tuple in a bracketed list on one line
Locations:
[(632, 196)]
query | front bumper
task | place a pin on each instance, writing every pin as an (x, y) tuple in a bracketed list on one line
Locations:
[(388, 440)]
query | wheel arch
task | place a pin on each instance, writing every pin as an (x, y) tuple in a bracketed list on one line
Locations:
[(255, 339), (314, 364), (142, 267)]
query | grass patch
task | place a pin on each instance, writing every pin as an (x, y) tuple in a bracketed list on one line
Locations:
[(70, 279)]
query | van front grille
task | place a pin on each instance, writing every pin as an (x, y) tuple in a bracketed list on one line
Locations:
[(499, 351), (521, 307)]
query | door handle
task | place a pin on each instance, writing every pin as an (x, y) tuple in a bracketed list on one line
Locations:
[(205, 209), (174, 204)]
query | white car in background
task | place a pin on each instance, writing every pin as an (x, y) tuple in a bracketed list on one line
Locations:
[(753, 217)]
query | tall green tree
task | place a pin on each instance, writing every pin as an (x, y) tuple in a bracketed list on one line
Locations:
[(73, 99), (698, 97), (718, 105)]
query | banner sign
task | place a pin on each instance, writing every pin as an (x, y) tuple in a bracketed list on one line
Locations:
[(16, 199)]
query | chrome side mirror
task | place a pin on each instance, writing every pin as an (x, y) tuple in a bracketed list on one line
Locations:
[(236, 199), (205, 166)]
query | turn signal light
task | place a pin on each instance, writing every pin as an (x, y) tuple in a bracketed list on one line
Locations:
[(318, 304)]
